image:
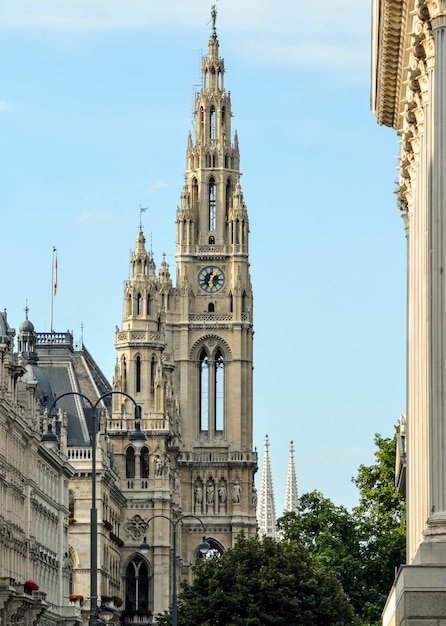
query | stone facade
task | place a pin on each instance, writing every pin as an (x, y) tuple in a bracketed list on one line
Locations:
[(34, 565), (408, 93)]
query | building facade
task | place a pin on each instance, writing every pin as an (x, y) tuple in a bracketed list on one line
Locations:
[(409, 94), (183, 378), (35, 568)]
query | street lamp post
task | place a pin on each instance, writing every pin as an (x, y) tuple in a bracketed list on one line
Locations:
[(203, 547), (138, 437)]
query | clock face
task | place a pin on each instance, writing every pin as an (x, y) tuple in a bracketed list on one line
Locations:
[(211, 279)]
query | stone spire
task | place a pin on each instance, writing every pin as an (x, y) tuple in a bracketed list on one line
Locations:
[(266, 511), (291, 498)]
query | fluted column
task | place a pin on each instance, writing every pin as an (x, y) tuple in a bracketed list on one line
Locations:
[(437, 519)]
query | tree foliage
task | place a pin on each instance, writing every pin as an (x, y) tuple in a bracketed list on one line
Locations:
[(362, 548), (262, 582), (331, 535), (381, 518)]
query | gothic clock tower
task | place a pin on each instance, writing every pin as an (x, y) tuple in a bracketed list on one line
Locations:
[(185, 355), (213, 330)]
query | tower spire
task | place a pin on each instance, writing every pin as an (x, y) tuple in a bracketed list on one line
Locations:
[(291, 498), (266, 512)]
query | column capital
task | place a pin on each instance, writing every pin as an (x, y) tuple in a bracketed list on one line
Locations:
[(437, 12)]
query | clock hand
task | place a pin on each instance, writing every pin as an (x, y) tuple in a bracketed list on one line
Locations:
[(211, 279)]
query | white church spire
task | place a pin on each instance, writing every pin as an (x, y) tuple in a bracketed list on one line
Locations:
[(266, 511), (291, 497)]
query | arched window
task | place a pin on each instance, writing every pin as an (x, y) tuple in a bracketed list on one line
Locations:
[(138, 304), (202, 122), (152, 373), (228, 197), (148, 304), (194, 197), (231, 303), (212, 122), (130, 463), (204, 391), (136, 585), (211, 392), (124, 375), (211, 240), (212, 204), (223, 120), (211, 307), (144, 463), (219, 390), (138, 374)]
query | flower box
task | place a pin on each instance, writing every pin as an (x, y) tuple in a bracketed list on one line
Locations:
[(76, 597)]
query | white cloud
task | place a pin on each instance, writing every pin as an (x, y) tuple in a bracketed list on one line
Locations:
[(93, 217), (289, 33), (6, 106), (160, 184)]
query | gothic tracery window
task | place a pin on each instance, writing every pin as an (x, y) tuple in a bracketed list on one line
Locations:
[(137, 585), (211, 391), (204, 391), (212, 204)]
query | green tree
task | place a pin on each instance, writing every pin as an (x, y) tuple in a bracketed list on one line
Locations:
[(380, 516), (262, 582), (331, 535), (362, 548)]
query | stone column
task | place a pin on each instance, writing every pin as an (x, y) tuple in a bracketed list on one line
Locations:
[(436, 530)]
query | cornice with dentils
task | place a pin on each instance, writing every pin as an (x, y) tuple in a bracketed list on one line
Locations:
[(390, 34)]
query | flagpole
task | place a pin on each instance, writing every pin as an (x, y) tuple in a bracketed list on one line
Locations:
[(53, 285)]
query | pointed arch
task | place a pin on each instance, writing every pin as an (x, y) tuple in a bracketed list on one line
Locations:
[(138, 583), (208, 340), (211, 356), (130, 463), (216, 550), (138, 374), (144, 462)]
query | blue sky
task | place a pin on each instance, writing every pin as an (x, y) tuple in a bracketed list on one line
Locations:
[(96, 100)]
